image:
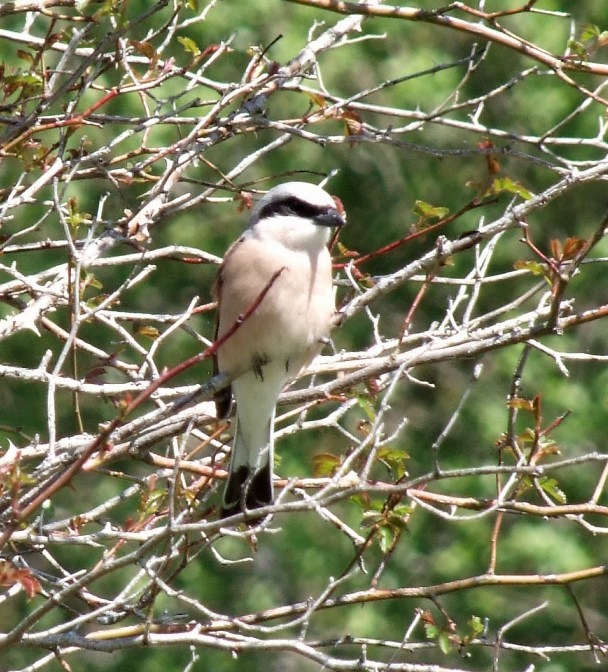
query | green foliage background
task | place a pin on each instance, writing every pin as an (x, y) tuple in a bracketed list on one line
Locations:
[(378, 185)]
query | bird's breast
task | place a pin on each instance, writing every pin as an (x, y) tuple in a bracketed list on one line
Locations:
[(294, 315)]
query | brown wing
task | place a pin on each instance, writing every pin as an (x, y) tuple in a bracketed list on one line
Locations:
[(223, 398)]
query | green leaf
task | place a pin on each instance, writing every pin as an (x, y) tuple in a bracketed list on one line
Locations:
[(189, 45), (23, 79), (577, 49), (429, 211), (395, 460), (476, 627), (399, 516), (521, 404), (92, 281), (501, 184), (371, 517), (367, 407), (590, 32), (325, 464), (362, 501), (534, 267), (148, 331), (402, 512), (548, 447), (528, 435), (551, 487), (387, 537), (153, 501), (390, 454), (444, 642), (75, 216), (97, 300), (77, 219)]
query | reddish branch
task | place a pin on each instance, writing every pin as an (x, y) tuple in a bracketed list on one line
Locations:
[(100, 443), (76, 121)]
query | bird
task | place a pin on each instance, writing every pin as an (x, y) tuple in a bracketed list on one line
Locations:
[(276, 283)]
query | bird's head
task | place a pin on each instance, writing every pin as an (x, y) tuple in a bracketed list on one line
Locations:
[(299, 215)]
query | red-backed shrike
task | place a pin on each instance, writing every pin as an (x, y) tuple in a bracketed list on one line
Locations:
[(288, 233)]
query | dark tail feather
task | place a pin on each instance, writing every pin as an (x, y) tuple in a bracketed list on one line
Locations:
[(223, 398), (223, 403), (244, 492)]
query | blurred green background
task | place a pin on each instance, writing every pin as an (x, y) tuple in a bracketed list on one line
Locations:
[(378, 185)]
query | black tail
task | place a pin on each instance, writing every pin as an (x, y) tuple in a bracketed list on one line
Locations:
[(245, 491)]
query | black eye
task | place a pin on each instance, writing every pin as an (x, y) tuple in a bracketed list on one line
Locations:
[(291, 205)]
